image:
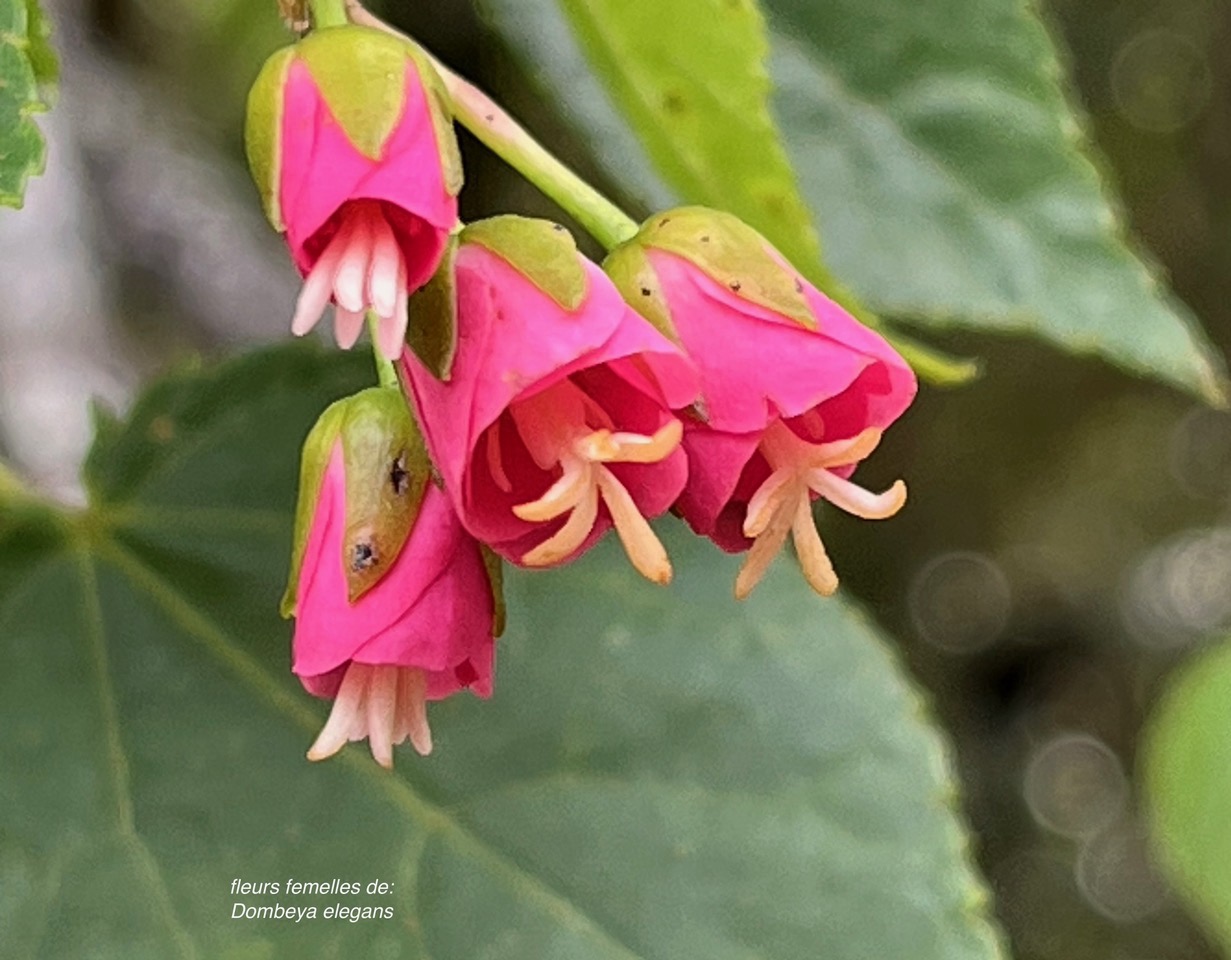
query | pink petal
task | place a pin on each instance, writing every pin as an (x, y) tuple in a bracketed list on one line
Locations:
[(322, 171), (756, 365)]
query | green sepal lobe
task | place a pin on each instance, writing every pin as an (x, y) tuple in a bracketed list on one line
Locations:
[(630, 270), (541, 251), (432, 334), (263, 132), (495, 576), (386, 470), (731, 253), (361, 75)]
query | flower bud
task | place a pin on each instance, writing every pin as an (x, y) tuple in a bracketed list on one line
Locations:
[(350, 141), (394, 603)]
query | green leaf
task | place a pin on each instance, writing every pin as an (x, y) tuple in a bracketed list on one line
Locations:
[(690, 77), (1188, 786), (24, 63), (950, 179), (659, 774)]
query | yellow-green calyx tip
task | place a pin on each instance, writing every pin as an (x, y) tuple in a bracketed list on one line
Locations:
[(541, 251), (495, 576), (731, 253), (441, 109), (263, 131), (386, 469), (630, 270), (361, 74), (432, 333)]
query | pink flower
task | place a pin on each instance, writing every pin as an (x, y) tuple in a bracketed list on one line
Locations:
[(392, 599), (554, 421), (794, 391), (351, 143)]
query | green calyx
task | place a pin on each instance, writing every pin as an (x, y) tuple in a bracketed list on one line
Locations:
[(630, 270), (361, 75), (495, 576), (263, 131), (387, 471), (432, 333), (724, 247), (541, 251)]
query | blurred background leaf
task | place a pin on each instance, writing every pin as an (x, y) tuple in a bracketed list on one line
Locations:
[(948, 175), (1188, 779), (659, 774), (694, 86)]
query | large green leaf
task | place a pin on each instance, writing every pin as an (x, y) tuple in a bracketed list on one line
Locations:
[(950, 179), (660, 773), (1188, 779), (691, 78), (26, 61)]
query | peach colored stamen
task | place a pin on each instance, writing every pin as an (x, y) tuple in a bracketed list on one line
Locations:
[(783, 503)]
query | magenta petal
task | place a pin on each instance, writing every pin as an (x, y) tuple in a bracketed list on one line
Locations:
[(715, 462), (756, 365), (321, 171)]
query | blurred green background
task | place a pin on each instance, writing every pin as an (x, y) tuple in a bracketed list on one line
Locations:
[(1068, 539)]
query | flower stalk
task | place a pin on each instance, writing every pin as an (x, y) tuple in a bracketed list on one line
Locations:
[(328, 13), (510, 141), (386, 373)]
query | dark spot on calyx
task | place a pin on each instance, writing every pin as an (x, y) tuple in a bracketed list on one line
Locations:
[(557, 227), (674, 103), (705, 239), (664, 221), (363, 556), (646, 291), (735, 285), (399, 478)]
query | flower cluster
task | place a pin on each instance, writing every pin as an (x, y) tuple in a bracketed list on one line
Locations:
[(539, 401)]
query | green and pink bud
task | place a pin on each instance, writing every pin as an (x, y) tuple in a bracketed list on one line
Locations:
[(394, 603), (795, 392), (547, 403), (351, 144)]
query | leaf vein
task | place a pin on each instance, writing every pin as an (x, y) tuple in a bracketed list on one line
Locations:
[(434, 819), (117, 759)]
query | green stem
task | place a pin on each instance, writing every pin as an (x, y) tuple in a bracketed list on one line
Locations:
[(505, 137), (386, 373), (328, 13)]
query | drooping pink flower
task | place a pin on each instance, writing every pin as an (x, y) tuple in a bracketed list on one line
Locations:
[(553, 421), (351, 143), (392, 599), (795, 392)]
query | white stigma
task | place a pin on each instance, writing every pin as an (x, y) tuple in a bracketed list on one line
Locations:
[(386, 705), (554, 427), (783, 503), (360, 270)]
